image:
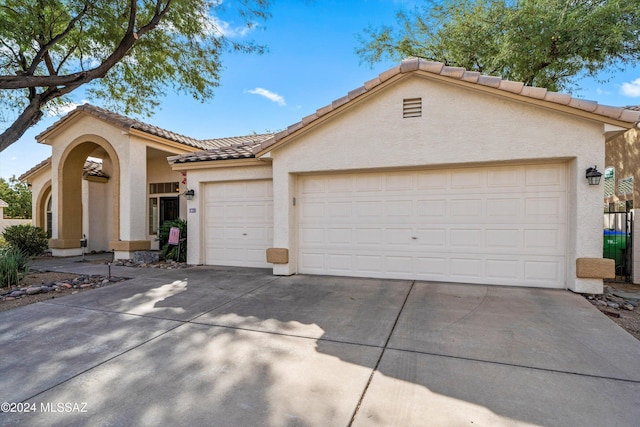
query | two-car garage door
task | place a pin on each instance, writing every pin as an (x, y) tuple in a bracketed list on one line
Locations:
[(495, 225)]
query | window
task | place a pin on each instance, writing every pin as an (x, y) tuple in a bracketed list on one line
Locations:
[(153, 215), (625, 186), (49, 218), (609, 182), (164, 187)]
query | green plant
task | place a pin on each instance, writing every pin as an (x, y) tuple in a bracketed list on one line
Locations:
[(175, 252), (27, 238), (13, 265)]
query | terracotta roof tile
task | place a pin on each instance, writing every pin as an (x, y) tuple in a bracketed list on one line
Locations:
[(629, 115), (129, 123), (490, 81), (241, 149), (470, 76), (91, 168)]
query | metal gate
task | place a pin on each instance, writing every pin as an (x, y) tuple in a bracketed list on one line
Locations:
[(618, 244)]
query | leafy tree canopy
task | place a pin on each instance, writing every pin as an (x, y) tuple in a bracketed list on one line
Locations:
[(128, 52), (546, 43), (18, 196)]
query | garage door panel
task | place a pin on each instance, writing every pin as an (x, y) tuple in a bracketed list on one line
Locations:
[(479, 225), (238, 219)]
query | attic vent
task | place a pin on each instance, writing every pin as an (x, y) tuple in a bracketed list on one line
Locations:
[(411, 107)]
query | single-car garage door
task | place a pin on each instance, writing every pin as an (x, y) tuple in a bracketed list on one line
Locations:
[(238, 219), (490, 225)]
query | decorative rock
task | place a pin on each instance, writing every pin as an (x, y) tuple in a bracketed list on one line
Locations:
[(85, 285), (16, 294), (33, 291), (613, 304), (627, 306), (9, 298), (66, 286)]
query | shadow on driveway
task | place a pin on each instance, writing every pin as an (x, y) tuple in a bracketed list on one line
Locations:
[(213, 346)]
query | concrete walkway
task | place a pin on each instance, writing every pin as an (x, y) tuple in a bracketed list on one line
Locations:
[(240, 347)]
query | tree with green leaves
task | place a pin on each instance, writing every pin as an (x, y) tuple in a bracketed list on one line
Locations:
[(126, 52), (18, 197), (545, 43)]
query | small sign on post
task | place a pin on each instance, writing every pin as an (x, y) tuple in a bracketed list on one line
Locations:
[(174, 236)]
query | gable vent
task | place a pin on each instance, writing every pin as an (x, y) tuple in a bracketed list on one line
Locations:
[(411, 107)]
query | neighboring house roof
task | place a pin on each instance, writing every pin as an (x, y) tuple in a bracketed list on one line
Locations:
[(633, 107), (238, 147), (463, 77), (3, 204), (91, 168)]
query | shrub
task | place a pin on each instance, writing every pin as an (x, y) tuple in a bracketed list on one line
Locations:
[(175, 252), (27, 238), (14, 264)]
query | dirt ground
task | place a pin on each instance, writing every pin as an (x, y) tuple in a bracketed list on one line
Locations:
[(628, 320)]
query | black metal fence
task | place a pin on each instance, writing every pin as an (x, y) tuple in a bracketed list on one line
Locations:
[(618, 243)]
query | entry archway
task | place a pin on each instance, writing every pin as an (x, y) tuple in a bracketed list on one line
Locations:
[(68, 229)]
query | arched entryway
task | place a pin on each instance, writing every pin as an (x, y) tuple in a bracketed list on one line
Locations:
[(83, 205)]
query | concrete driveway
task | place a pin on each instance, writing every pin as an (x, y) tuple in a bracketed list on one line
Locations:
[(240, 347)]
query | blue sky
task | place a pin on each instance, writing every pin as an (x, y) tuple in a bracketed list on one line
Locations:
[(311, 61)]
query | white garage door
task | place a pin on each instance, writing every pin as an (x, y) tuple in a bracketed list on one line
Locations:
[(493, 225), (238, 223)]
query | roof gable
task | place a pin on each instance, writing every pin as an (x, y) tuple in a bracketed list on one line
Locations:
[(459, 76)]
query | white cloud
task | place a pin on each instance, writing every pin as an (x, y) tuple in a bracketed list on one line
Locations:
[(269, 95), (600, 91), (216, 25), (631, 89), (63, 109)]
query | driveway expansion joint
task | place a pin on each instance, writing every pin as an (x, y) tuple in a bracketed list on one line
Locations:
[(384, 347)]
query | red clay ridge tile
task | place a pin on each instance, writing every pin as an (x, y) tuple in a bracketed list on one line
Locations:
[(340, 101), (386, 75), (324, 110), (471, 76), (455, 72), (490, 81), (431, 67), (534, 92), (511, 86), (372, 83), (410, 64), (630, 116), (357, 92), (558, 98)]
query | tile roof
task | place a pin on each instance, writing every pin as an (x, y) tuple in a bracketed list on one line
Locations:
[(237, 147), (128, 123), (630, 114), (91, 168), (42, 164)]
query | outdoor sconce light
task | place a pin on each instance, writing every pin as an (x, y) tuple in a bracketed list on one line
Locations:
[(190, 193), (593, 176)]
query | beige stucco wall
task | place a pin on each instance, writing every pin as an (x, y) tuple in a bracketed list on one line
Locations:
[(197, 179), (127, 189), (623, 154), (458, 127)]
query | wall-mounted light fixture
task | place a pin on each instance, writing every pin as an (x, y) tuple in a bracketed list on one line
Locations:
[(189, 194), (593, 176)]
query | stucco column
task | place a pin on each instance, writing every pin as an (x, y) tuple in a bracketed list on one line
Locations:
[(284, 220), (586, 208), (133, 203)]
